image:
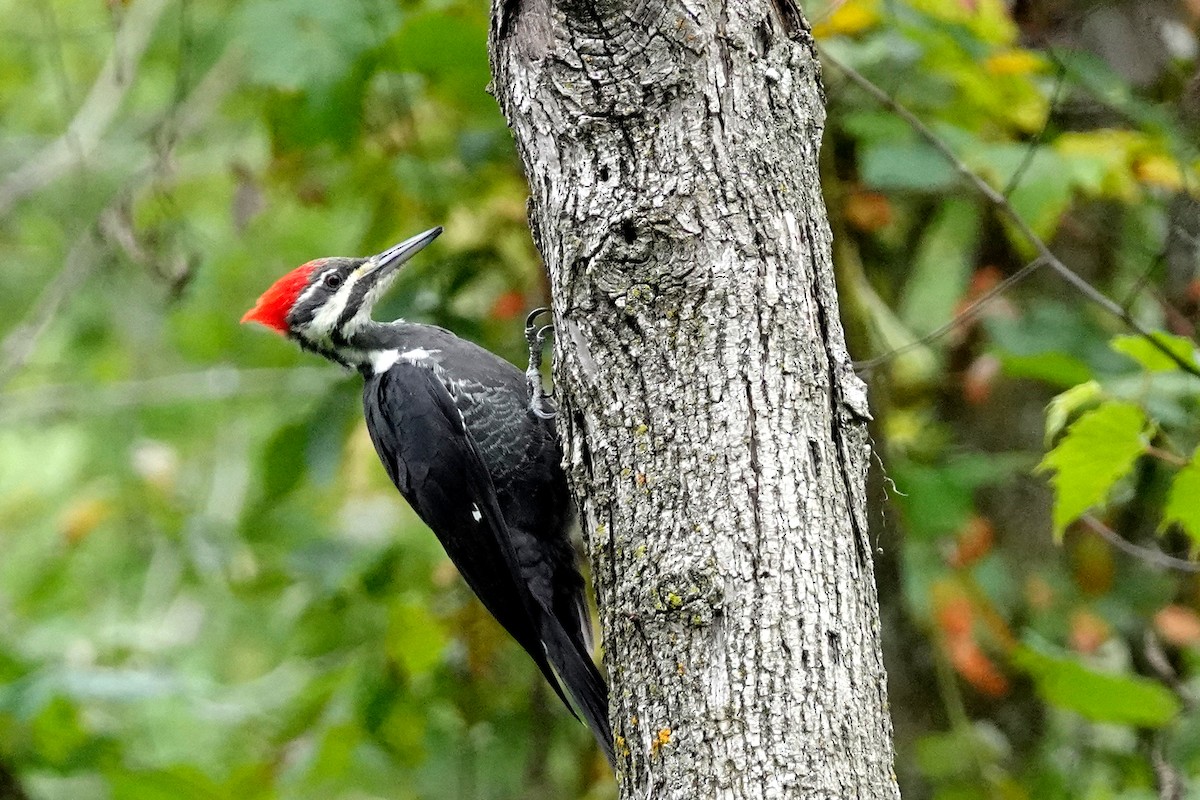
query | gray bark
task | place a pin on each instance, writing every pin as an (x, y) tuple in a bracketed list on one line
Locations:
[(715, 432)]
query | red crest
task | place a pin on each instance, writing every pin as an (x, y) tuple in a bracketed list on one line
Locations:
[(273, 306)]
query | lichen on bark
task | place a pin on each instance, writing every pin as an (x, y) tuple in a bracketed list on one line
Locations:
[(714, 430)]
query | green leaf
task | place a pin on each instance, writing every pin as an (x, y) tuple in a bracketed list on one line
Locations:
[(938, 500), (1067, 403), (447, 49), (1042, 191), (283, 463), (181, 782), (941, 268), (1103, 697), (1051, 367), (296, 44), (1143, 351), (415, 638), (1100, 448), (911, 166), (1183, 503)]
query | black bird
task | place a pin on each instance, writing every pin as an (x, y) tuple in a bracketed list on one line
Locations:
[(469, 441)]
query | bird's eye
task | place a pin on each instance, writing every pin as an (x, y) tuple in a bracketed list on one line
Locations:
[(333, 281)]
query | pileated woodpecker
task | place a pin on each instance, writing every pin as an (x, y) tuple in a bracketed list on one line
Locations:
[(469, 441)]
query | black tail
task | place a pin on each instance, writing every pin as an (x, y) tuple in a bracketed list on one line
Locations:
[(584, 682)]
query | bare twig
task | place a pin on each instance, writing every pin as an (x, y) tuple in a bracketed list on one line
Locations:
[(1166, 456), (18, 345), (1000, 202), (1171, 783), (1155, 558), (20, 342), (1160, 664), (203, 386), (1014, 180), (87, 129), (961, 317)]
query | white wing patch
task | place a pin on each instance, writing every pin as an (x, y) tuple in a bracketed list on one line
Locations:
[(382, 360), (476, 513)]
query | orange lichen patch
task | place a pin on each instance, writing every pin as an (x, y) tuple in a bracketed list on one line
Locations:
[(622, 746), (660, 741), (1178, 625)]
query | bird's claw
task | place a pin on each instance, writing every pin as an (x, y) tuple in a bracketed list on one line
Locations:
[(539, 402), (531, 330)]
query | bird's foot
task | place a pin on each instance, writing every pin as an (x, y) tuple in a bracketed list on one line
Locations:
[(539, 402)]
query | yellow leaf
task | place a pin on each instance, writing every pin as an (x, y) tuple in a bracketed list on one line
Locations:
[(1013, 62), (83, 516), (848, 19), (1111, 152), (1159, 170), (989, 20)]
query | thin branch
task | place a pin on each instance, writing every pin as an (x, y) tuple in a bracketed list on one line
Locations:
[(1171, 783), (1166, 456), (18, 345), (1160, 664), (203, 386), (1000, 202), (99, 109), (1036, 142), (1153, 557), (20, 342), (961, 317)]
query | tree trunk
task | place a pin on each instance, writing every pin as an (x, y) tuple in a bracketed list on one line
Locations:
[(714, 430)]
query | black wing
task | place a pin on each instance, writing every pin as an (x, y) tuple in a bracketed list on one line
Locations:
[(428, 453)]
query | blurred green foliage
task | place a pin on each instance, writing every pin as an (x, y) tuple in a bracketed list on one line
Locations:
[(1041, 461), (209, 589)]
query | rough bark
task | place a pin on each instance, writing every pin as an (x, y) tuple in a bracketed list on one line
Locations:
[(715, 432)]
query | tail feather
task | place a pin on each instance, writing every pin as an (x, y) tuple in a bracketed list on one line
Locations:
[(582, 679)]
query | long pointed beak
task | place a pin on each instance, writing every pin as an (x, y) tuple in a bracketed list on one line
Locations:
[(382, 265), (377, 274)]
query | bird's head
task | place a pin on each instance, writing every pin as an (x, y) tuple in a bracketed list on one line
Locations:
[(325, 302)]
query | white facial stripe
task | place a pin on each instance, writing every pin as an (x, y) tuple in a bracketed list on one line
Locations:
[(326, 318)]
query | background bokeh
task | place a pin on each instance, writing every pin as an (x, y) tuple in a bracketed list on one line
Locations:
[(209, 589)]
